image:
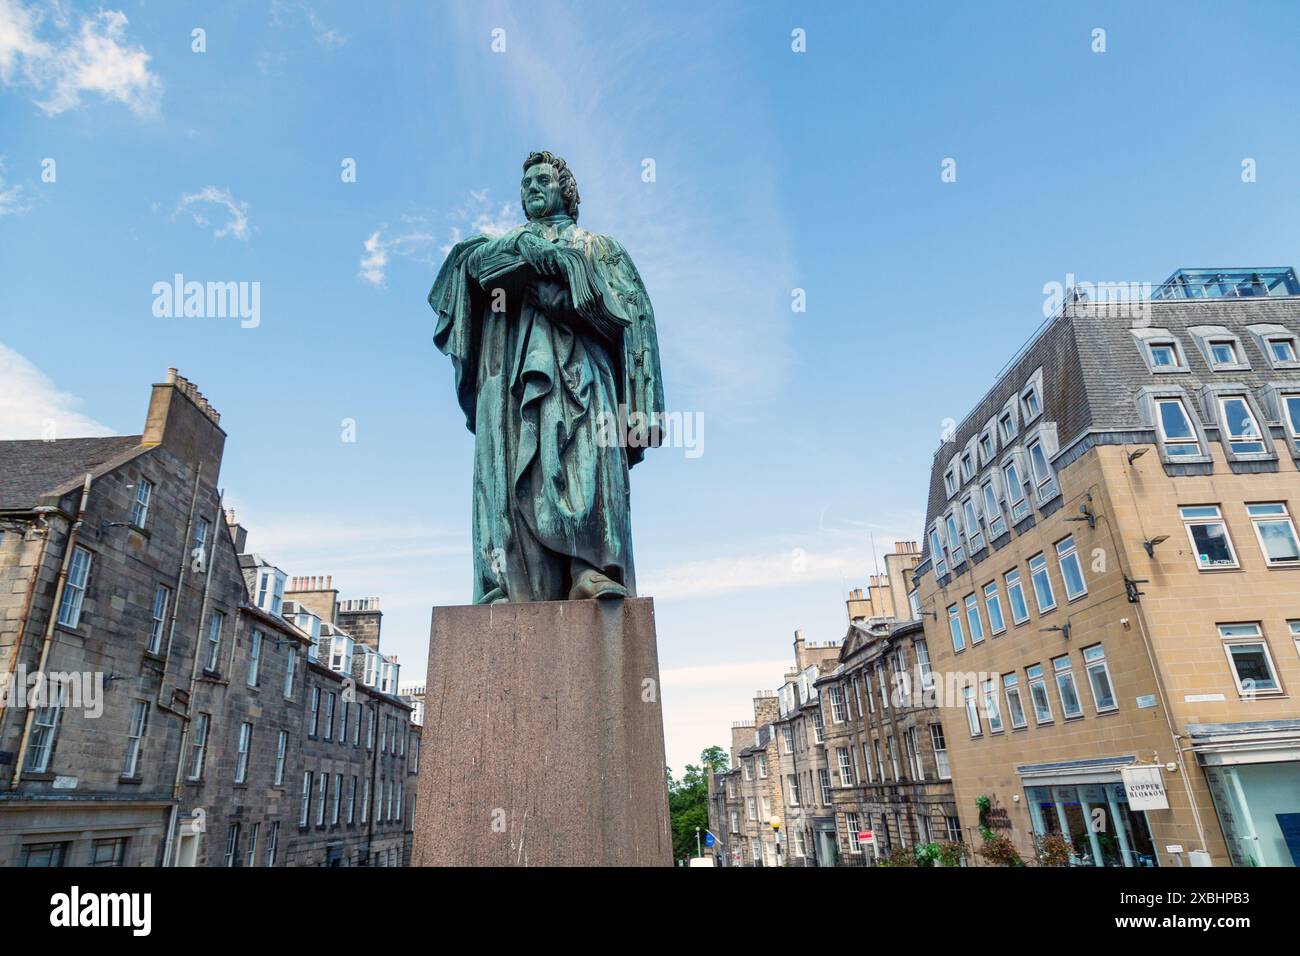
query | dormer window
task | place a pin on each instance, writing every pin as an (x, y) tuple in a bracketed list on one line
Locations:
[(986, 447), (1038, 462), (1223, 352), (1292, 404), (1015, 485), (954, 539), (993, 511), (1281, 350), (950, 482), (973, 533), (936, 552), (1007, 427), (1176, 428), (1239, 425), (1030, 403), (1163, 355), (967, 467)]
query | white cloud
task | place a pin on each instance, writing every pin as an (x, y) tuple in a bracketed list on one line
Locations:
[(32, 406), (374, 260), (479, 215), (96, 58), (195, 204)]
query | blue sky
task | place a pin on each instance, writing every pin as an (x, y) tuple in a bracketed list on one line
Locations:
[(774, 171)]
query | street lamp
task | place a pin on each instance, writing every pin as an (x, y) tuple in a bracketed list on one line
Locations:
[(698, 851), (775, 824)]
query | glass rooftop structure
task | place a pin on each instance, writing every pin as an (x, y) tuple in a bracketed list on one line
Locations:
[(1228, 283)]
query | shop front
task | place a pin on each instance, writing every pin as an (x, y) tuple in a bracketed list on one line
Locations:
[(1253, 770), (1087, 803)]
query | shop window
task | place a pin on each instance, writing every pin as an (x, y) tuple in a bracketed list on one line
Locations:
[(1098, 825)]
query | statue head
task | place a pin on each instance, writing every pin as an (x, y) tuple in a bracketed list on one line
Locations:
[(548, 187)]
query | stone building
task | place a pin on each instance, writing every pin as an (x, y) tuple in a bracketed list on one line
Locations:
[(808, 818), (754, 755), (1109, 584), (885, 741), (175, 730), (778, 773), (360, 746)]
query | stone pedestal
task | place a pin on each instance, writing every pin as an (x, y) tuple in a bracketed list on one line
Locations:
[(543, 738)]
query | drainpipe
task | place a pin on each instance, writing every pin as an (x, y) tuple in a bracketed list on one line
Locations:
[(48, 640), (188, 717), (180, 584), (43, 515)]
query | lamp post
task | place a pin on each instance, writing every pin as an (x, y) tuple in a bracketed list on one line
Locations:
[(775, 824), (698, 851)]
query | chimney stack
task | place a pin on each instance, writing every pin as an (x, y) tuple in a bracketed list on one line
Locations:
[(238, 533)]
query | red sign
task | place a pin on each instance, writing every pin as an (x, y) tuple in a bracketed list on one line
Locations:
[(866, 836)]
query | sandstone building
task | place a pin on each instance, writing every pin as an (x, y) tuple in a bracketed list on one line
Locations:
[(1110, 586)]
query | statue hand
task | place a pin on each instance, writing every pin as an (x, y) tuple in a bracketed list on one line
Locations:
[(540, 254)]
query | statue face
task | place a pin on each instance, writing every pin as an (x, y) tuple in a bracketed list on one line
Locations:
[(540, 191)]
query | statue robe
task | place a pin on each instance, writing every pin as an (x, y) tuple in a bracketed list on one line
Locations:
[(549, 398)]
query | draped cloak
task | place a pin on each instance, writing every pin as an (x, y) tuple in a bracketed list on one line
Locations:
[(550, 395)]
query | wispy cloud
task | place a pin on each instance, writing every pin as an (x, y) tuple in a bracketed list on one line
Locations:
[(32, 406), (12, 198), (283, 11), (377, 249), (326, 35), (197, 204), (478, 215), (58, 65), (721, 286)]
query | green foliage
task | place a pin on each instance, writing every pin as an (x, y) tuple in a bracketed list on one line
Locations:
[(688, 802), (926, 854)]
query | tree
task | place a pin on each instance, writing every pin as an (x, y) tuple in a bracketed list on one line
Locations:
[(688, 801)]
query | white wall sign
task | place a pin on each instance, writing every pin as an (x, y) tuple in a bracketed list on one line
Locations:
[(1145, 788)]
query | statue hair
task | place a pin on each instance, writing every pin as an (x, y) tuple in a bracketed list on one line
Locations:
[(568, 185)]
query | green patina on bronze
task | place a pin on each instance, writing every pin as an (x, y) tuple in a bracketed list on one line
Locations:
[(552, 339)]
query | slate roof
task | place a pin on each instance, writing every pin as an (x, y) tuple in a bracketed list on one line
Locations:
[(1093, 369), (30, 469)]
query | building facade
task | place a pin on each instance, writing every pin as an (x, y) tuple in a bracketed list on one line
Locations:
[(156, 689), (1110, 586)]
